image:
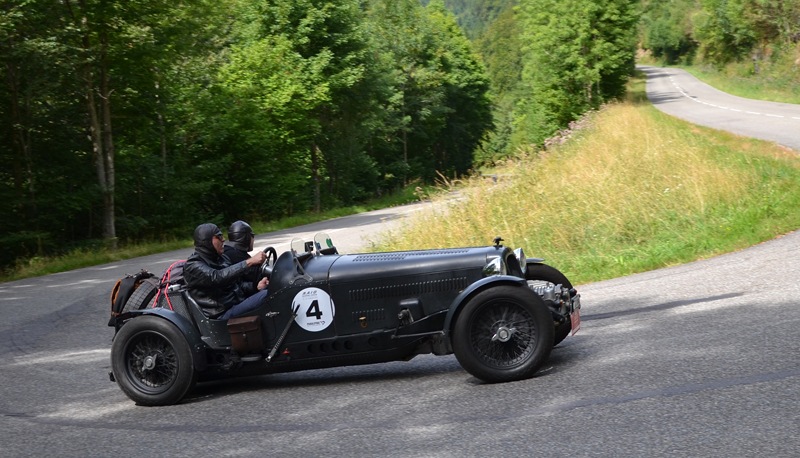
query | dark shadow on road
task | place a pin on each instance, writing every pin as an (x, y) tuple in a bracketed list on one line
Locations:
[(657, 98), (371, 373), (652, 74), (381, 372), (658, 307)]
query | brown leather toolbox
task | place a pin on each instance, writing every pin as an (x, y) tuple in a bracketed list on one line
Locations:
[(246, 336)]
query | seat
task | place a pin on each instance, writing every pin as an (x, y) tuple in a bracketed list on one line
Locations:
[(213, 332)]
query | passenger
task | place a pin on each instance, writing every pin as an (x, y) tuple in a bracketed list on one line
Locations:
[(240, 241), (219, 287)]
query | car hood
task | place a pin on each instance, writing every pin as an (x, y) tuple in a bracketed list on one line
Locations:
[(371, 266)]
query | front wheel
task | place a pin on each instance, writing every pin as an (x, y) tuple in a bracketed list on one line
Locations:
[(152, 361), (504, 333)]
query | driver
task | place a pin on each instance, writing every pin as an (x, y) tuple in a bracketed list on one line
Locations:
[(219, 287), (240, 241)]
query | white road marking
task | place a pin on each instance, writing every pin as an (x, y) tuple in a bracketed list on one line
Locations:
[(694, 98)]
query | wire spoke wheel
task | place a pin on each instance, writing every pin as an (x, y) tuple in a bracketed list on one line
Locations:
[(151, 362), (503, 333), (492, 320)]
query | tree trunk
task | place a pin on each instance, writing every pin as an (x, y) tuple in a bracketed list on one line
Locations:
[(315, 176), (405, 140), (162, 131), (22, 141), (100, 135), (109, 228), (405, 158)]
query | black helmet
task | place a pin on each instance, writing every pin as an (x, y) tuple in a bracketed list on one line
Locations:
[(203, 236), (239, 235)]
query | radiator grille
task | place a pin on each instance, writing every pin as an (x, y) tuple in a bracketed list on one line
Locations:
[(408, 289), (399, 256)]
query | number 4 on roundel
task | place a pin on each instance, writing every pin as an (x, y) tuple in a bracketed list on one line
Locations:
[(315, 307), (313, 311)]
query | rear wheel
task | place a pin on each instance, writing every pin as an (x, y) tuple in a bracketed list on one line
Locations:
[(504, 333), (544, 275), (152, 361)]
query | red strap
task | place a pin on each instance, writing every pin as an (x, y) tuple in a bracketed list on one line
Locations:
[(164, 279)]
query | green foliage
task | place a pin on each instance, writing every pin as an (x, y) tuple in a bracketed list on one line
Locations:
[(578, 54), (668, 29), (436, 108), (722, 28), (501, 49), (721, 31), (476, 16), (140, 119)]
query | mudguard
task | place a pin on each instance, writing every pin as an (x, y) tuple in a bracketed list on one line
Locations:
[(474, 289), (184, 325)]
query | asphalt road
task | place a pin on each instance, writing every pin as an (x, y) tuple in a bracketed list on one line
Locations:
[(678, 93), (701, 359), (696, 360)]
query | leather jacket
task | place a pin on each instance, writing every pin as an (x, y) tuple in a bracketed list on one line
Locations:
[(214, 283), (235, 253)]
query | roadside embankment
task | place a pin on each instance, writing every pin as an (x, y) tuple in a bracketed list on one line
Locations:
[(636, 190)]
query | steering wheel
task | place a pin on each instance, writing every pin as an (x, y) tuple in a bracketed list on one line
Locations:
[(269, 261)]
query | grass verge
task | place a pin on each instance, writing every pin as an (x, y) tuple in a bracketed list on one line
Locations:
[(635, 191), (85, 257)]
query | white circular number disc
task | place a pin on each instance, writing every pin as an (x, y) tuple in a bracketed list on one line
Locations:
[(314, 309)]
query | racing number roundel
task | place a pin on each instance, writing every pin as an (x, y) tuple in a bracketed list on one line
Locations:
[(314, 309)]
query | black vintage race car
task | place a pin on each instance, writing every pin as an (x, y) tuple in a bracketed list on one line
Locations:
[(498, 311)]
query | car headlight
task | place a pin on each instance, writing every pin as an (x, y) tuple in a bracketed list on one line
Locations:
[(523, 261), (495, 267)]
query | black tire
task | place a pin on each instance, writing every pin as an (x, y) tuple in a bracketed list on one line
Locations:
[(485, 352), (171, 374), (142, 296), (546, 274)]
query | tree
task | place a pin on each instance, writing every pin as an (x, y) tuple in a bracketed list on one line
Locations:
[(668, 29), (466, 87), (722, 29), (501, 48), (578, 54), (313, 54)]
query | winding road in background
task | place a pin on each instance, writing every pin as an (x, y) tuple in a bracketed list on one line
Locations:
[(676, 92), (701, 359)]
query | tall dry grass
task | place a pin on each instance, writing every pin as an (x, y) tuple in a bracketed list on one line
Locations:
[(634, 191)]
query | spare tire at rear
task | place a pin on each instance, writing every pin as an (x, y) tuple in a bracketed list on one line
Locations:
[(142, 297)]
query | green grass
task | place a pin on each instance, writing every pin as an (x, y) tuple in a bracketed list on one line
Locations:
[(85, 257), (636, 191)]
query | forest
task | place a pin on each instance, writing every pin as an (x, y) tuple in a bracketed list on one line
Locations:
[(138, 119), (720, 32)]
